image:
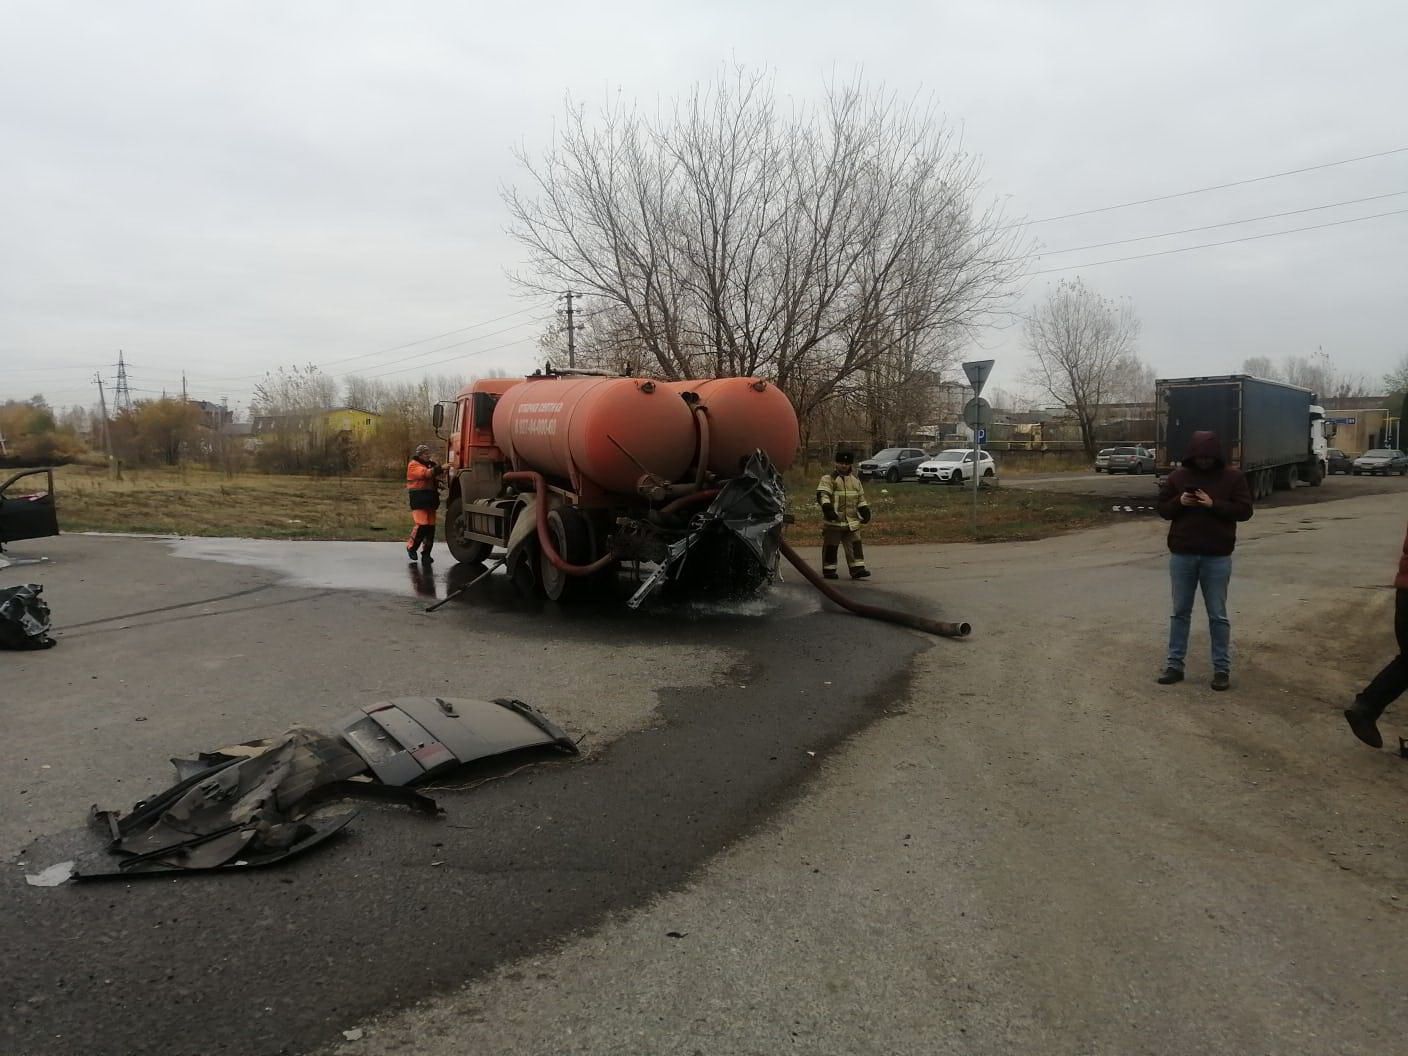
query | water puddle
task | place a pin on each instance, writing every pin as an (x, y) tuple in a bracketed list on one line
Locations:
[(378, 567), (383, 568)]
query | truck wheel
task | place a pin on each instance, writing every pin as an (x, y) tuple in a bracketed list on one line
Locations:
[(572, 536), (465, 551)]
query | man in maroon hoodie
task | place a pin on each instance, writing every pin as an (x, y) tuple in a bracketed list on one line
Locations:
[(1204, 498), (1390, 683)]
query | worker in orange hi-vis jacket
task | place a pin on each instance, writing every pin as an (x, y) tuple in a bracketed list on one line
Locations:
[(423, 492)]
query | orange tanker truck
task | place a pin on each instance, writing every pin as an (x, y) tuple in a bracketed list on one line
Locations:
[(574, 476)]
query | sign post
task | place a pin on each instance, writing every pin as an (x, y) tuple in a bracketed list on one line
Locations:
[(978, 416)]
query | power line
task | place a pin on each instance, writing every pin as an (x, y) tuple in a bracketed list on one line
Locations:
[(229, 379), (331, 362), (408, 365), (1214, 187), (1226, 242), (1229, 223), (451, 359), (456, 344), (437, 337)]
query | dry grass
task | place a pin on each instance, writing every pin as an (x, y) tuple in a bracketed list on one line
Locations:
[(934, 513), (200, 502)]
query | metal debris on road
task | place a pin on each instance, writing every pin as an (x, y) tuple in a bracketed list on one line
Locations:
[(254, 804), (24, 618), (412, 738), (245, 806)]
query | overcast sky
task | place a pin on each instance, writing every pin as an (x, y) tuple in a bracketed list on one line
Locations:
[(223, 187)]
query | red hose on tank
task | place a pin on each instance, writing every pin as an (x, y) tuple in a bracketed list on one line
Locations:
[(540, 486), (699, 498)]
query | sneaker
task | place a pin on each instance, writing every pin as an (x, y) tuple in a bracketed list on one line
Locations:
[(829, 574), (426, 559), (1221, 680), (861, 573), (410, 554), (1170, 676), (1364, 727)]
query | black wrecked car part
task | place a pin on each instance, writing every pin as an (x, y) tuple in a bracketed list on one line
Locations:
[(732, 547), (240, 811), (252, 804), (29, 516), (24, 618)]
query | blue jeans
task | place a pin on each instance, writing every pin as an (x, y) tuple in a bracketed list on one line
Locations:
[(1188, 572)]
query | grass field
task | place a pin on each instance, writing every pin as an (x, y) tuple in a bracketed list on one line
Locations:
[(934, 513), (200, 502)]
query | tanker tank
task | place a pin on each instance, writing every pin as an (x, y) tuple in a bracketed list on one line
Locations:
[(608, 431), (744, 415)]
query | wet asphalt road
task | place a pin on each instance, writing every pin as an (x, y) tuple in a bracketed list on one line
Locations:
[(402, 907)]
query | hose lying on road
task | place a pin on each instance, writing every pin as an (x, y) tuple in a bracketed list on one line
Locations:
[(873, 612), (451, 597)]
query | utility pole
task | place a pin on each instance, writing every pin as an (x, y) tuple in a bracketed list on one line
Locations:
[(572, 329), (183, 388), (103, 404)]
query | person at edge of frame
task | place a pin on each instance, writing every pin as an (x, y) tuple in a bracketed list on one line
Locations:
[(1390, 683)]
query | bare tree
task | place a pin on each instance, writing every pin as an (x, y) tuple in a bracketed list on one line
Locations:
[(606, 340), (1261, 367), (732, 237), (1082, 346), (292, 389), (1396, 380), (1008, 400), (365, 394), (1131, 381), (1316, 373)]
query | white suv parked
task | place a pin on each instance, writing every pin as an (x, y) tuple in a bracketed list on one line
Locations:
[(954, 467)]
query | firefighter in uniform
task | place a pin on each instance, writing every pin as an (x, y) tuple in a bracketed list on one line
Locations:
[(423, 493), (843, 511)]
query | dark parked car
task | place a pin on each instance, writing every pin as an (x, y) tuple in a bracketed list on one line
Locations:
[(1130, 460), (893, 463), (1383, 460), (1340, 462)]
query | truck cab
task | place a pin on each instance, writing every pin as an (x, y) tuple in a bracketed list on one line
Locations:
[(1322, 432), (474, 466)]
